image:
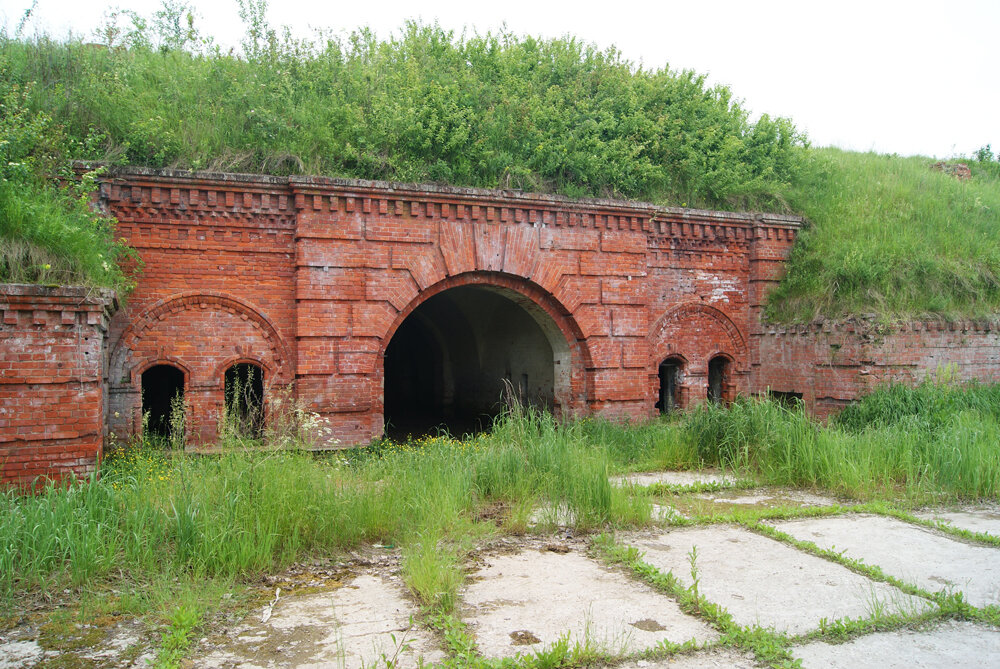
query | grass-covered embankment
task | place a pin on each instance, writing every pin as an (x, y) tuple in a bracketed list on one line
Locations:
[(889, 236), (49, 233), (885, 234)]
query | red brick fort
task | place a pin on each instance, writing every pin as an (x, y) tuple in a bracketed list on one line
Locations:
[(404, 307)]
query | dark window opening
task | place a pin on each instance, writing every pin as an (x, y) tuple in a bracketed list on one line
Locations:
[(162, 394), (718, 377), (668, 399), (244, 387), (789, 399)]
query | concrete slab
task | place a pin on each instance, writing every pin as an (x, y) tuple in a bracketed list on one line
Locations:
[(524, 602), (986, 521), (719, 658), (764, 582), (771, 497), (365, 623), (954, 644), (20, 654), (678, 478), (917, 555)]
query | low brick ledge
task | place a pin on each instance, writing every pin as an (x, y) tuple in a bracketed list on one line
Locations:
[(871, 326)]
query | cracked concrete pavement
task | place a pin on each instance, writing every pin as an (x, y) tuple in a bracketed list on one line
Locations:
[(525, 595)]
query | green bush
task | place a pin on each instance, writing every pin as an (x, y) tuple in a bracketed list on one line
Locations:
[(495, 110)]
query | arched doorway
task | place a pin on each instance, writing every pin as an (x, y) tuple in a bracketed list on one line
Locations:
[(718, 379), (162, 394), (670, 380), (244, 390), (453, 360)]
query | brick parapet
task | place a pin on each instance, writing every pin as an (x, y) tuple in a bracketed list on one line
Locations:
[(274, 201)]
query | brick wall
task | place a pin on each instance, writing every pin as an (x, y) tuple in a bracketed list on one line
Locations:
[(833, 363), (217, 288), (310, 278), (51, 381)]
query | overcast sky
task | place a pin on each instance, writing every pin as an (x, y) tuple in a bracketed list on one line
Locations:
[(908, 77)]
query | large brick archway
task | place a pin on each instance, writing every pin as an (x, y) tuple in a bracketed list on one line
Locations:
[(509, 298)]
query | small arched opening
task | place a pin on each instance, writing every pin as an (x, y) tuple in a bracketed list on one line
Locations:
[(244, 389), (454, 358), (718, 379), (162, 400), (670, 381)]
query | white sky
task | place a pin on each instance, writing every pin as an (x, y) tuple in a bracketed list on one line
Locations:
[(908, 77)]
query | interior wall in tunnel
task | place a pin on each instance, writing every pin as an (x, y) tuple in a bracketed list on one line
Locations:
[(448, 361), (509, 345)]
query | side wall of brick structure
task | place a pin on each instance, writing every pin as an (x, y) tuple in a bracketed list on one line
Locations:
[(51, 381), (832, 363)]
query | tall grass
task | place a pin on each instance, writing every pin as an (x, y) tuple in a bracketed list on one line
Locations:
[(243, 512), (157, 513), (926, 443)]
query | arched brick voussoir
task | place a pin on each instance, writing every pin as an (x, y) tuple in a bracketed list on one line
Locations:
[(397, 287), (554, 266), (458, 247), (574, 291), (522, 252), (265, 365), (695, 332), (372, 319), (126, 357), (524, 288), (424, 262), (490, 247)]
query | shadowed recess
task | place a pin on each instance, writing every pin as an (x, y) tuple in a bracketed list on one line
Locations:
[(449, 362)]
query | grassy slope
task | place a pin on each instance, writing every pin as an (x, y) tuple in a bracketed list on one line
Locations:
[(886, 235), (889, 236)]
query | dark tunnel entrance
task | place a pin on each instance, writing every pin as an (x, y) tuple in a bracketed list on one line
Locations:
[(449, 362)]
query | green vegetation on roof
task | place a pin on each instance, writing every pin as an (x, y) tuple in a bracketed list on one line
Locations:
[(885, 234)]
